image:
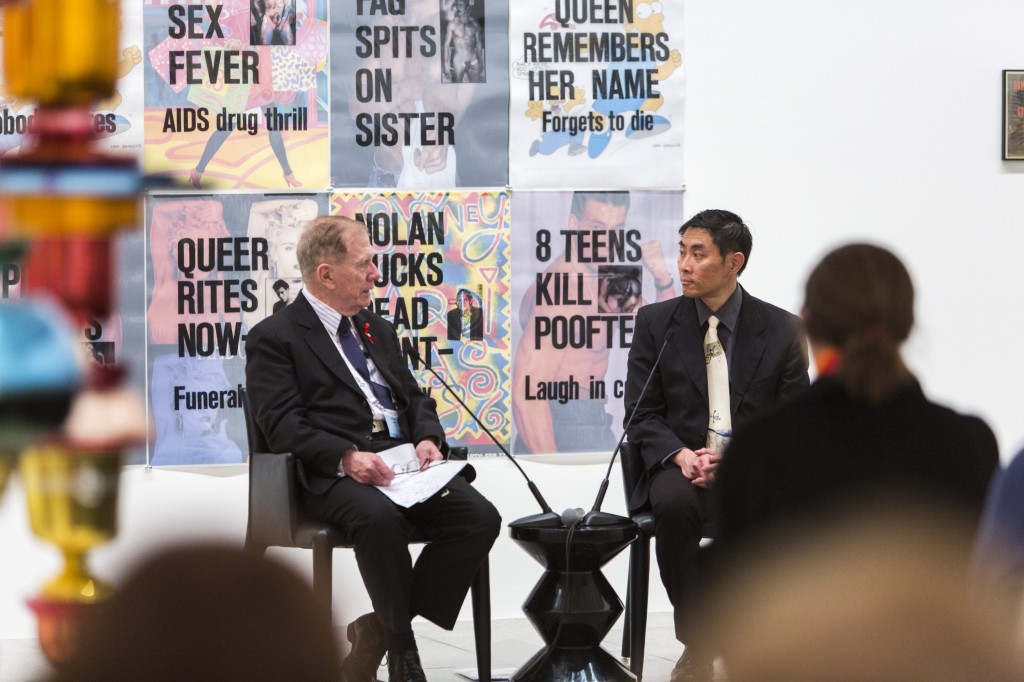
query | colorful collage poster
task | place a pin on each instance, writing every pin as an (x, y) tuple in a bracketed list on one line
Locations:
[(213, 264), (584, 264), (445, 285), (419, 94), (596, 94), (236, 93)]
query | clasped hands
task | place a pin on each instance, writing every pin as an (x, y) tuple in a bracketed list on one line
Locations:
[(698, 465), (369, 468)]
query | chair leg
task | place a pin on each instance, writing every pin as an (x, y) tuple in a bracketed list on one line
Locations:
[(481, 595), (626, 615), (639, 577), (251, 547), (323, 571)]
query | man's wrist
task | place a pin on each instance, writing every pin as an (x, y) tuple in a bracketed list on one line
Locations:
[(341, 462)]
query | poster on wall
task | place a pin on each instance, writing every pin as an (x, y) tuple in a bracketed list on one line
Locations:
[(445, 285), (215, 264), (117, 120), (419, 94), (236, 93), (585, 263), (596, 94)]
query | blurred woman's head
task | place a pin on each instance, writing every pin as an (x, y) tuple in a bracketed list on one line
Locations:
[(859, 308)]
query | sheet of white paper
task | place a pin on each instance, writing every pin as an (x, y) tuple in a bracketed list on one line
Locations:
[(409, 489)]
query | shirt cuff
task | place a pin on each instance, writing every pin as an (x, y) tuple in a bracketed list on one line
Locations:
[(667, 462)]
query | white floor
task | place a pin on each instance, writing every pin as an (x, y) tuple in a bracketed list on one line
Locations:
[(443, 653)]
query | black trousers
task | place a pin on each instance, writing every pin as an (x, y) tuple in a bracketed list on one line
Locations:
[(681, 513), (460, 523)]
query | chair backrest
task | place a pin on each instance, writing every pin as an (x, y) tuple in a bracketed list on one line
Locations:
[(632, 470), (257, 442), (274, 511)]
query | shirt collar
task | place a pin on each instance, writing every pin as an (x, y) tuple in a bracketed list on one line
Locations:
[(728, 315), (330, 317)]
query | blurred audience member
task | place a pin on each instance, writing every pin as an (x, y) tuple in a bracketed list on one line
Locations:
[(863, 435), (872, 599), (207, 613), (998, 561)]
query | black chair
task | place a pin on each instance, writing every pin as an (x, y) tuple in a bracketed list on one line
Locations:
[(634, 627), (634, 624), (276, 519)]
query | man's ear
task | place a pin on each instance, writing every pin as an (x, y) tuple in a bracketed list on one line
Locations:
[(325, 275), (736, 261)]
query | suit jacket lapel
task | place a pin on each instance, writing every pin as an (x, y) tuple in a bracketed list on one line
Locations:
[(747, 351), (689, 345), (320, 342)]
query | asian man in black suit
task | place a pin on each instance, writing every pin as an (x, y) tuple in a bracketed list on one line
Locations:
[(754, 357), (327, 382)]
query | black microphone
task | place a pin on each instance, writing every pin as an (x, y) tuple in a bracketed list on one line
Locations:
[(596, 517), (546, 519)]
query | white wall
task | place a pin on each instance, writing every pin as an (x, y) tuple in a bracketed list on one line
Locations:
[(819, 123), (822, 123)]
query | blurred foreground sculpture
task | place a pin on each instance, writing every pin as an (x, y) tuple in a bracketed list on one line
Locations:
[(62, 203)]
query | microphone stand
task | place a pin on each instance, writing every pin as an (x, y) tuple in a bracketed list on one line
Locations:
[(596, 517), (547, 518)]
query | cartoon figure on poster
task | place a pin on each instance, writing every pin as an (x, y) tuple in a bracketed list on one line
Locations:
[(228, 83), (596, 81), (648, 19), (575, 317)]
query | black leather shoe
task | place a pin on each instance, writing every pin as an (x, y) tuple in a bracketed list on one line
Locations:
[(693, 667), (369, 644), (404, 666)]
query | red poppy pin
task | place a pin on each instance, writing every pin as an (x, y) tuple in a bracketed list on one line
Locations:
[(366, 333)]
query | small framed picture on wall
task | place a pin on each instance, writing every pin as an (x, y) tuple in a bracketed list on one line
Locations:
[(1013, 115)]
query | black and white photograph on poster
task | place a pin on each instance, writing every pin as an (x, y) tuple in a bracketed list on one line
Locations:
[(462, 23)]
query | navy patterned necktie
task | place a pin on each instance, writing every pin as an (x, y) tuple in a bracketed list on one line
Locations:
[(350, 347)]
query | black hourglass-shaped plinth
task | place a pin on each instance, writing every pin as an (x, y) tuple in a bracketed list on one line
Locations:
[(573, 606)]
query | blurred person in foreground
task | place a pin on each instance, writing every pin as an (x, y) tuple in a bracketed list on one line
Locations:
[(871, 598), (207, 613), (997, 564), (864, 435)]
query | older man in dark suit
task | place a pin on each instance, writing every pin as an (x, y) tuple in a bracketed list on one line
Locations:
[(327, 382), (731, 356)]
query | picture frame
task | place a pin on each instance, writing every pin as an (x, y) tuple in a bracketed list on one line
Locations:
[(1013, 115)]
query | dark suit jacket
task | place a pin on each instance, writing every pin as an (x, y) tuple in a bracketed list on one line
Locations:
[(825, 454), (769, 364), (476, 324), (306, 401)]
